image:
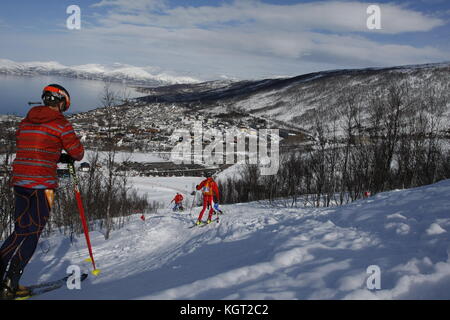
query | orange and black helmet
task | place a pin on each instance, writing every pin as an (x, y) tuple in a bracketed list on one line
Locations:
[(54, 94)]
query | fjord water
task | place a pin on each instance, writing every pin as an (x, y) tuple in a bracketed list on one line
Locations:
[(17, 91)]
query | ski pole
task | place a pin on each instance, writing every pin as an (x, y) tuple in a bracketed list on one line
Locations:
[(193, 201), (76, 187)]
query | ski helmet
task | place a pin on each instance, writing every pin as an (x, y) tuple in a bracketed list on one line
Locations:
[(54, 94), (208, 174)]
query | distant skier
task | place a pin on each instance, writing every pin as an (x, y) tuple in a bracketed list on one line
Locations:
[(178, 202), (209, 189), (217, 209), (40, 138)]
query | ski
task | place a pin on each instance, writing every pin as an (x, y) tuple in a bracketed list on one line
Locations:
[(196, 225), (213, 220), (45, 287), (203, 223)]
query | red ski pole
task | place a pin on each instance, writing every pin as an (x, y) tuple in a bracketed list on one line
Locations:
[(82, 215)]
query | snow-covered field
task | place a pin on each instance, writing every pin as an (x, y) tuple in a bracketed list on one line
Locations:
[(263, 252)]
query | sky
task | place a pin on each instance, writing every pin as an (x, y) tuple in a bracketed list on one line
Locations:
[(212, 39)]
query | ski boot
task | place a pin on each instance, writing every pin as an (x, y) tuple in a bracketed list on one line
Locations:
[(2, 270), (9, 293), (199, 222), (10, 288), (22, 291), (208, 221)]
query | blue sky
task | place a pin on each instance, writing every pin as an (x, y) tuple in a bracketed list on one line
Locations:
[(209, 39)]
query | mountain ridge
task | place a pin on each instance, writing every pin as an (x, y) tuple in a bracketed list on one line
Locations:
[(297, 100), (117, 72)]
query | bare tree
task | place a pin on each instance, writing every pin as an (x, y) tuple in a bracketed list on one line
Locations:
[(109, 101), (7, 151)]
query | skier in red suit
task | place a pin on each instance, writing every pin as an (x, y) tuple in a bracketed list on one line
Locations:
[(178, 202), (209, 190)]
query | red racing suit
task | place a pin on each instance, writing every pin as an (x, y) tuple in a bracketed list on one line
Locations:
[(178, 198), (209, 189)]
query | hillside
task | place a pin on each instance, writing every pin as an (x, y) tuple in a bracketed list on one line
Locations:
[(259, 251), (292, 105), (295, 100)]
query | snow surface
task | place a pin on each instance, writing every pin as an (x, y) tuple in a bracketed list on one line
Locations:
[(163, 189), (259, 251)]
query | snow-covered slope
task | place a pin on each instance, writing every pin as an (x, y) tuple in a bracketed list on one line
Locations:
[(296, 100), (264, 252), (115, 72)]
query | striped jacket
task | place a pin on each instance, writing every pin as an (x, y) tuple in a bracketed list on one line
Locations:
[(40, 138)]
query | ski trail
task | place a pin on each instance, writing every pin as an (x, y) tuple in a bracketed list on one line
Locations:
[(262, 252), (163, 189)]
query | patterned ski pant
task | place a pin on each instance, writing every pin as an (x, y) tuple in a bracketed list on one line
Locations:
[(31, 215)]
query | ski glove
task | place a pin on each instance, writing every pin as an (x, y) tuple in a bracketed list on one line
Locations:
[(65, 158)]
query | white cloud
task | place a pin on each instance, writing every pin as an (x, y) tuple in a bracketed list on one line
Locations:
[(292, 32), (243, 39), (337, 16), (134, 5)]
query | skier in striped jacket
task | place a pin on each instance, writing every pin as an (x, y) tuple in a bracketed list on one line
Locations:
[(40, 139)]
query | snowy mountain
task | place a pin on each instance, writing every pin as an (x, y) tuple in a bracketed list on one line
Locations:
[(296, 100), (260, 251), (146, 76)]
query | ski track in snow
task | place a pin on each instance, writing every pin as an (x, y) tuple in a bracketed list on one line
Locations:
[(261, 252)]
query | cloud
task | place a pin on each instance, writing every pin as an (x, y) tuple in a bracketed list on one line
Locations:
[(244, 38), (132, 6), (316, 31), (358, 51), (334, 16), (290, 45)]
